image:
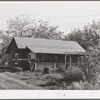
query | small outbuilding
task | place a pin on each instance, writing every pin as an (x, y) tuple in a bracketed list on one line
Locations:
[(36, 53)]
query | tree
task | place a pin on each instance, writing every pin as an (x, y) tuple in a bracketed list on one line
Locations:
[(22, 26), (87, 37), (16, 24), (42, 30), (91, 65), (5, 40)]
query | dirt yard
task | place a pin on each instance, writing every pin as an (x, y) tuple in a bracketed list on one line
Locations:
[(27, 81), (13, 81)]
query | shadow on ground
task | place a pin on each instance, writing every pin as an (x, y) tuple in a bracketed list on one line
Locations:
[(7, 69)]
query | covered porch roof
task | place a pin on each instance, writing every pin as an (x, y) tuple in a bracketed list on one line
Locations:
[(56, 51)]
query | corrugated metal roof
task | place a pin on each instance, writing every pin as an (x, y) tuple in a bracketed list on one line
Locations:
[(49, 46)]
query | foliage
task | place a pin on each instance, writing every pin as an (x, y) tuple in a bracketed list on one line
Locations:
[(42, 30), (52, 79), (46, 70), (4, 42), (23, 26), (83, 86), (16, 24), (90, 65), (71, 74), (86, 37)]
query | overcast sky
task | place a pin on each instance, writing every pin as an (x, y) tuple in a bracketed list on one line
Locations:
[(67, 15)]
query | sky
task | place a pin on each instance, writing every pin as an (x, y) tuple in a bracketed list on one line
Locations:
[(67, 15)]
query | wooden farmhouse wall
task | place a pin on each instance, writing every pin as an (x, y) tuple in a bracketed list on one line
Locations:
[(12, 50)]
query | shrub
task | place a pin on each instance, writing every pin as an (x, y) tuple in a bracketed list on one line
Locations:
[(75, 86), (38, 72), (83, 86), (46, 70), (91, 64), (52, 70), (52, 79), (72, 74)]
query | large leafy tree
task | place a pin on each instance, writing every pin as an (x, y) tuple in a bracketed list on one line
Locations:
[(42, 30), (23, 26), (86, 37), (16, 24), (4, 42)]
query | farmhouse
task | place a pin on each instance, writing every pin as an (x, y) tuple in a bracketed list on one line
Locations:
[(35, 53)]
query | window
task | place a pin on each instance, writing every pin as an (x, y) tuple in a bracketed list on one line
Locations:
[(16, 58), (29, 58)]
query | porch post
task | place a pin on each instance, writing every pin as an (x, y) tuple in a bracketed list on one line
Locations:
[(65, 60), (70, 61), (54, 65), (35, 64), (55, 61), (36, 59)]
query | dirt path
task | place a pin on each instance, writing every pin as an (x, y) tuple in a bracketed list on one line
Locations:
[(10, 83)]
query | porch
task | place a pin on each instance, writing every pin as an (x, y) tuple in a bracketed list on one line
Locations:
[(54, 60)]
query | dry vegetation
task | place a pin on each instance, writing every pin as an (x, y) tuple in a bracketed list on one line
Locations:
[(72, 79)]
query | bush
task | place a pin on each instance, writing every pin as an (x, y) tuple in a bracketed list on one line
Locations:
[(75, 86), (52, 70), (52, 79), (71, 74), (90, 64), (83, 86), (46, 70), (38, 70)]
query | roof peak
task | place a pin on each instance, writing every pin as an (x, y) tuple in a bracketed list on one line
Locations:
[(45, 39), (48, 45)]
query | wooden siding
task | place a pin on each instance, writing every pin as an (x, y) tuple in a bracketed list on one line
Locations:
[(23, 53), (12, 50), (23, 58)]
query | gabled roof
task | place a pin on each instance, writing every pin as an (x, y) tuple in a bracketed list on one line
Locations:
[(49, 46)]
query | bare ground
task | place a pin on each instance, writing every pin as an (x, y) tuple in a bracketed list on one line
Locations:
[(12, 81)]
